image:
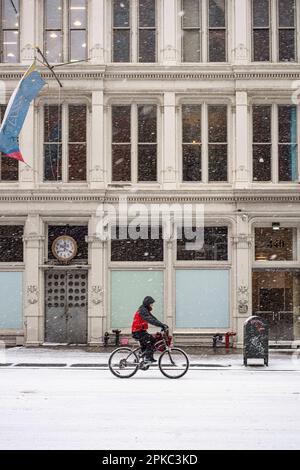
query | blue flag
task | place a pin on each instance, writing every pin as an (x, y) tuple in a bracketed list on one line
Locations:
[(17, 110)]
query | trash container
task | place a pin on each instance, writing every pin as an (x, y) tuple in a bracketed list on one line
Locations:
[(256, 339)]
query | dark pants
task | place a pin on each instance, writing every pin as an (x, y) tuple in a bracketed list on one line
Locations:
[(146, 341)]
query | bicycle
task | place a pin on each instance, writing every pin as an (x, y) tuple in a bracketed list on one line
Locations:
[(173, 363)]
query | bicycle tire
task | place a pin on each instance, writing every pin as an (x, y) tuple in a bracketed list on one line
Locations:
[(169, 351), (114, 372)]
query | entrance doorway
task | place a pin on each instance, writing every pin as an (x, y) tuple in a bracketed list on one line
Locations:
[(66, 306), (276, 298)]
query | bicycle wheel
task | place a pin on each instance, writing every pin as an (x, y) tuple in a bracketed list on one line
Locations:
[(123, 363), (173, 363)]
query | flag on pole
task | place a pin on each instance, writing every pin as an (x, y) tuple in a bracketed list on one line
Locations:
[(16, 112)]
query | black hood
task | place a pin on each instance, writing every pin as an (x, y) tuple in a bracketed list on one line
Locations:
[(147, 301)]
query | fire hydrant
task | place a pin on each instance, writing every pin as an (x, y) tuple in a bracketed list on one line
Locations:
[(228, 335)]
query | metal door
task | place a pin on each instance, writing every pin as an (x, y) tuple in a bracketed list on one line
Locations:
[(66, 306)]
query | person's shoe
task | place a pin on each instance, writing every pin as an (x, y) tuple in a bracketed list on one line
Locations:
[(151, 359)]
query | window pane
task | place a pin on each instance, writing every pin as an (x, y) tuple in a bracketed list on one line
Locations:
[(191, 46), (147, 45), (11, 302), (217, 14), (77, 162), (121, 46), (217, 123), (147, 123), (121, 13), (286, 13), (273, 245), (147, 163), (54, 12), (191, 14), (215, 247), (191, 124), (261, 45), (53, 46), (10, 14), (261, 13), (11, 243), (128, 288), (52, 123), (262, 162), (217, 162), (10, 46), (9, 169), (121, 162), (147, 13), (78, 45), (261, 124), (52, 162), (288, 162), (287, 124), (217, 46), (138, 250), (77, 123), (191, 162), (286, 45), (210, 288), (78, 14), (121, 122)]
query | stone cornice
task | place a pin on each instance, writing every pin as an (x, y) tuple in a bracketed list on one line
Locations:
[(98, 197)]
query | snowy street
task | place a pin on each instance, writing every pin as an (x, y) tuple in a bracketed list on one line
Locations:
[(230, 408)]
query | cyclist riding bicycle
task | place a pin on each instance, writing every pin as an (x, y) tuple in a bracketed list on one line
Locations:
[(142, 318)]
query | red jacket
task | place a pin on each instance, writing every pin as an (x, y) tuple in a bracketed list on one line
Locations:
[(138, 323)]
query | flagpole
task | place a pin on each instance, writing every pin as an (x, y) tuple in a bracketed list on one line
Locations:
[(48, 66)]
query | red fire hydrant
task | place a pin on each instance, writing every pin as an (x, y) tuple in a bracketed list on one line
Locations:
[(228, 335)]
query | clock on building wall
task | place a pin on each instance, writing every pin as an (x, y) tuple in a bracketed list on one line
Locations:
[(64, 248)]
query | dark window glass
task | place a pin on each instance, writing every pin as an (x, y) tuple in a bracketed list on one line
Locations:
[(217, 45), (262, 148), (191, 162), (9, 167), (217, 124), (261, 45), (191, 142), (273, 245), (217, 14), (147, 13), (262, 162), (261, 124), (52, 143), (287, 48), (217, 146), (121, 148), (147, 162), (121, 122), (121, 31), (147, 133), (77, 143), (121, 12), (261, 30), (78, 232), (147, 45), (147, 31), (191, 33), (191, 14), (121, 162), (138, 250), (286, 13), (121, 46), (261, 13), (215, 247), (287, 148), (11, 243)]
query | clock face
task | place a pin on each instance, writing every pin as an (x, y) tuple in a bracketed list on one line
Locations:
[(64, 248)]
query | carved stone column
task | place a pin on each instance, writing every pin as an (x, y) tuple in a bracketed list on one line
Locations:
[(33, 298)]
